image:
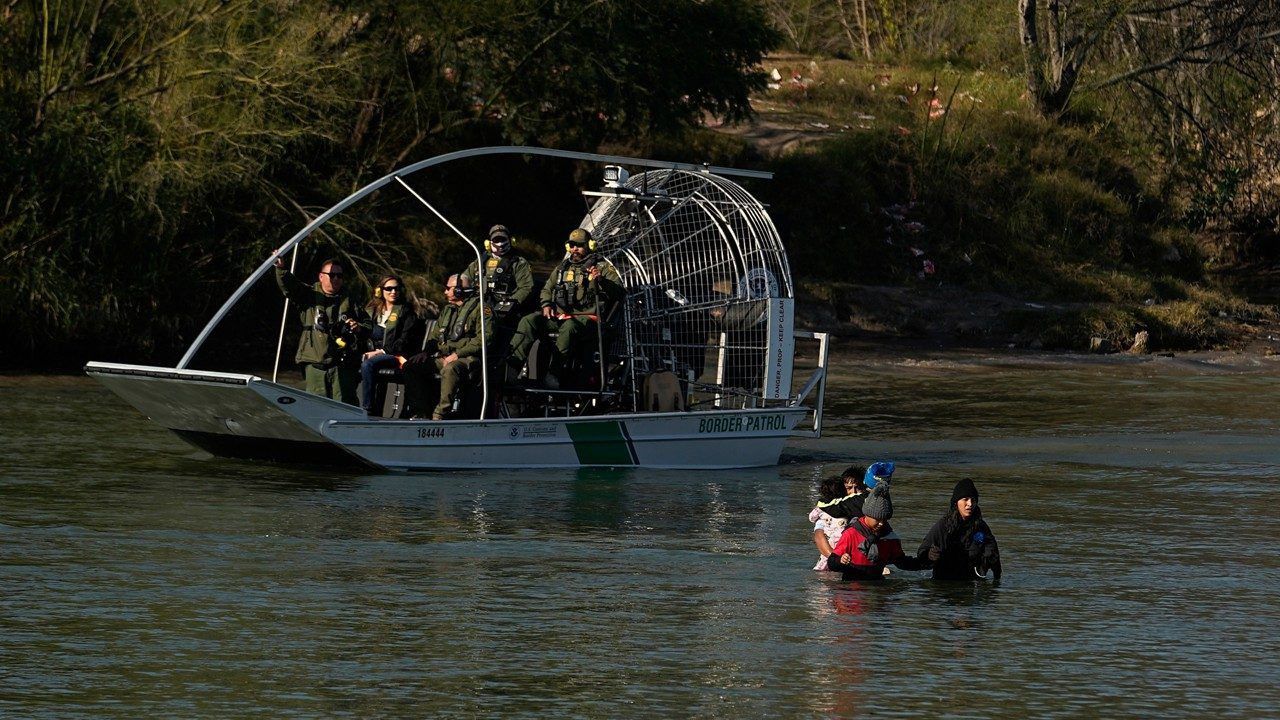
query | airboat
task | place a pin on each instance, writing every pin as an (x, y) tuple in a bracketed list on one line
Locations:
[(699, 370)]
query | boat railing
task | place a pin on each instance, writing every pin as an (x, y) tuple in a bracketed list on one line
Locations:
[(817, 382)]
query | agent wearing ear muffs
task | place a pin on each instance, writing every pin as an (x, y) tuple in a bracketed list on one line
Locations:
[(453, 350), (582, 285), (507, 276)]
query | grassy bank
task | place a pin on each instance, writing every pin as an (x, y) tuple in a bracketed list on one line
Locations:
[(943, 184)]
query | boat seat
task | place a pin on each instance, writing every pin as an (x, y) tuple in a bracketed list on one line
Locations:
[(393, 398), (580, 370), (662, 392)]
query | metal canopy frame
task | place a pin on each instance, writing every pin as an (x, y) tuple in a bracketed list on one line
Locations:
[(408, 170), (706, 278)]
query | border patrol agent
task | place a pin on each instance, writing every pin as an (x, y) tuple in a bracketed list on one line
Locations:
[(582, 285), (457, 344), (330, 361), (507, 276)]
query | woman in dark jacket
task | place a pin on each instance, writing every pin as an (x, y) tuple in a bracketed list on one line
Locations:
[(961, 545), (397, 331)]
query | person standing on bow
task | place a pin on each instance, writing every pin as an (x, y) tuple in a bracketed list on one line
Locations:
[(397, 332), (961, 545), (507, 276), (454, 349), (581, 287), (333, 331)]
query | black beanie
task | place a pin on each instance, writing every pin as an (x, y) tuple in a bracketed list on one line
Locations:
[(964, 489), (878, 505)]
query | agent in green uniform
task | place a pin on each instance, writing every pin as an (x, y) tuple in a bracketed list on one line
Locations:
[(333, 330), (453, 349), (583, 285), (508, 277)]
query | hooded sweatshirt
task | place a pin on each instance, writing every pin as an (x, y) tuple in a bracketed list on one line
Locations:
[(968, 547)]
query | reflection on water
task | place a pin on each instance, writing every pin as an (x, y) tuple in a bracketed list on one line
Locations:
[(1134, 502)]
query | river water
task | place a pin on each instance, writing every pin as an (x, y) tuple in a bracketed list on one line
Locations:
[(1135, 501)]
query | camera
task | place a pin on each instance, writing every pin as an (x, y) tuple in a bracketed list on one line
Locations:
[(343, 336), (342, 333)]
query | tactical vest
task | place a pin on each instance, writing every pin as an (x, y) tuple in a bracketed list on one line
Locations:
[(572, 291), (498, 275), (459, 327)]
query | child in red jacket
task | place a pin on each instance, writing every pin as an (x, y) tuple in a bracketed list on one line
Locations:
[(868, 543)]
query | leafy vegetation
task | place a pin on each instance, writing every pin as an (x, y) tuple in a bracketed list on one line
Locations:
[(153, 151), (948, 177)]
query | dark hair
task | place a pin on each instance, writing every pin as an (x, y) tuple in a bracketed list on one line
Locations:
[(379, 301), (831, 488), (332, 261), (858, 474)]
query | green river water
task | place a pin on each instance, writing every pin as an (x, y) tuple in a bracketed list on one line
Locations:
[(1135, 501)]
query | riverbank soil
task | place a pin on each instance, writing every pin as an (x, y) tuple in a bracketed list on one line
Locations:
[(943, 317)]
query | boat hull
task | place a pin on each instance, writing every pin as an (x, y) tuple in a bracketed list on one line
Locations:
[(245, 416), (687, 440)]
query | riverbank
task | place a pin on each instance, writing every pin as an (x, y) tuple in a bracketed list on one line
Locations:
[(933, 205), (903, 319)]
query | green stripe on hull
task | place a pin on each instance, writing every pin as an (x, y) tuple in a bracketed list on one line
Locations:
[(600, 443)]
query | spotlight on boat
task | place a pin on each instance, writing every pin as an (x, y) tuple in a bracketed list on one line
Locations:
[(615, 176)]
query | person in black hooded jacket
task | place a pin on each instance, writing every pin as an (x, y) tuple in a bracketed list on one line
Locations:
[(961, 545)]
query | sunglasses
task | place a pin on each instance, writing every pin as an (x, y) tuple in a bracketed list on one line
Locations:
[(578, 245), (332, 274), (390, 288)]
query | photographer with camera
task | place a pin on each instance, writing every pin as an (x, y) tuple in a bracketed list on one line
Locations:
[(334, 329)]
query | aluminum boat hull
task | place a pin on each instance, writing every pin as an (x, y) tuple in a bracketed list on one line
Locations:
[(246, 416)]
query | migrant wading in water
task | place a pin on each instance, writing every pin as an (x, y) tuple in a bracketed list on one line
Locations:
[(868, 544), (960, 545), (850, 506), (836, 511), (847, 491), (827, 529)]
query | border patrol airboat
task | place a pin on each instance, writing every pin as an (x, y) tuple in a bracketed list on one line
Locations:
[(696, 371)]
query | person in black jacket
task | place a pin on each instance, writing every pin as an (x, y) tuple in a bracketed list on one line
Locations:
[(858, 481), (397, 331), (961, 545)]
